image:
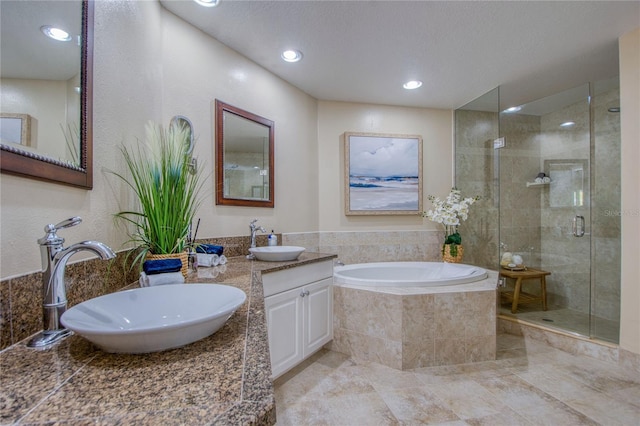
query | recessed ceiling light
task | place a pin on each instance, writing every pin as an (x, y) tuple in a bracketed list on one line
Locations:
[(291, 55), (413, 84), (55, 33), (208, 3), (568, 124), (512, 109)]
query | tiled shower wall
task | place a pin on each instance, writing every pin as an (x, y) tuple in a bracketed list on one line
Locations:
[(528, 226), (476, 174), (573, 259), (520, 212), (606, 206), (568, 258)]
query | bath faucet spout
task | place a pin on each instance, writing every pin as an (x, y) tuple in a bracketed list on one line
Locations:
[(54, 263), (54, 291), (253, 228)]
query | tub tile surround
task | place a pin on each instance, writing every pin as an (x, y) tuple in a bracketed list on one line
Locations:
[(222, 379), (412, 328), (373, 246)]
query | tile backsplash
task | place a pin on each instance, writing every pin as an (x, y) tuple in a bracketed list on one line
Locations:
[(21, 297), (373, 246)]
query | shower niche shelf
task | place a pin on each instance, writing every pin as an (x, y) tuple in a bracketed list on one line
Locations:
[(537, 184)]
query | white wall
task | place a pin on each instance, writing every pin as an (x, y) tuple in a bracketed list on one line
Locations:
[(336, 118), (127, 79), (150, 65), (198, 70), (630, 128)]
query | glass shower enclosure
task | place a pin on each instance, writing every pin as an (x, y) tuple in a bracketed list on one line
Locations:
[(548, 172)]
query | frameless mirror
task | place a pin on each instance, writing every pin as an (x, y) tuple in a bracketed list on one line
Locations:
[(244, 158), (46, 90)]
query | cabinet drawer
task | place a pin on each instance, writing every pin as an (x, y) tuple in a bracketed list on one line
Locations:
[(279, 281)]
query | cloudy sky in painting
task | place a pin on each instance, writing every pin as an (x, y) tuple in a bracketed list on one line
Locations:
[(382, 157)]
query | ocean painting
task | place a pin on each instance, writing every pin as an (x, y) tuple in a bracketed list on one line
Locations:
[(384, 174)]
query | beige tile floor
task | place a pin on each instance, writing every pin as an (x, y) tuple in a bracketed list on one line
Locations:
[(530, 383)]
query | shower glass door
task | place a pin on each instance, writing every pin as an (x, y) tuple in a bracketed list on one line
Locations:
[(548, 172), (605, 210), (545, 214)]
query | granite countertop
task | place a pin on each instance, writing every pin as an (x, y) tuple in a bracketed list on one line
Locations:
[(224, 378)]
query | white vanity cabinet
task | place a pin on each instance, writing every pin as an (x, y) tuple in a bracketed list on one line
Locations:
[(299, 311)]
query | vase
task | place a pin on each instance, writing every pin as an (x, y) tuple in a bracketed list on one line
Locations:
[(452, 253), (183, 256)]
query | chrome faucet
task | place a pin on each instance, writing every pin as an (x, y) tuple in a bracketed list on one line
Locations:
[(254, 230), (54, 261)]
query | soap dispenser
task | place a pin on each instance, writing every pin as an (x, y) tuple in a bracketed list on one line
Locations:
[(272, 239)]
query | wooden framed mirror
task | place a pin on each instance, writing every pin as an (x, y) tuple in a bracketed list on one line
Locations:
[(57, 87), (244, 158)]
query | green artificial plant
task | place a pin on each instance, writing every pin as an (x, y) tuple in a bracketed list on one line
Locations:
[(167, 189)]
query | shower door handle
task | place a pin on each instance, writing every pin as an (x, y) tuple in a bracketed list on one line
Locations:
[(578, 226)]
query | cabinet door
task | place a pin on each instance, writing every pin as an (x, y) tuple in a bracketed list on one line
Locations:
[(284, 326), (318, 315)]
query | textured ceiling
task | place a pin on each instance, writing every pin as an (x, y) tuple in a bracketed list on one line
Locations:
[(362, 51)]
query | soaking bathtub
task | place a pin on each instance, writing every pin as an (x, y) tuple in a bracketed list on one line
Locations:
[(408, 274)]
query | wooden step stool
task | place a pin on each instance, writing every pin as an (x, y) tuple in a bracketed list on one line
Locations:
[(518, 296)]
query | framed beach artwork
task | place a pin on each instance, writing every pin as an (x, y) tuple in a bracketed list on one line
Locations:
[(383, 174)]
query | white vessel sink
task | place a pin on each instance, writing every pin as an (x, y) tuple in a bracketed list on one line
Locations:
[(153, 319), (276, 253)]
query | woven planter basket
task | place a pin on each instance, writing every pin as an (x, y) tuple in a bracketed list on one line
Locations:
[(184, 258), (446, 254)]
